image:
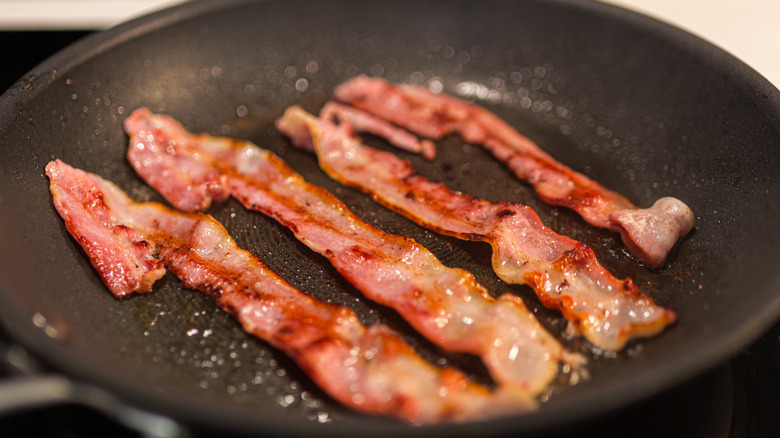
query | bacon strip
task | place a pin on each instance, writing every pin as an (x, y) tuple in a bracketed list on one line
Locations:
[(446, 305), (126, 262), (564, 273), (648, 233), (369, 369), (361, 121)]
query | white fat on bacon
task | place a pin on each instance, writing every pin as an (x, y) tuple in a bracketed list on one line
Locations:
[(370, 369), (564, 273), (446, 305), (649, 234)]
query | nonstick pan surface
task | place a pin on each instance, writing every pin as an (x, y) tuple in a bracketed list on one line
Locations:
[(638, 105)]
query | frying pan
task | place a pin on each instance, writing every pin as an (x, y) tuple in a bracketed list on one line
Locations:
[(636, 104)]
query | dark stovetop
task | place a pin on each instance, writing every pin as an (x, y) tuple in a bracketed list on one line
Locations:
[(738, 399)]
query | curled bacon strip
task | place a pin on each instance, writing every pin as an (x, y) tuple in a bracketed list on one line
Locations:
[(446, 305), (648, 233), (367, 368), (564, 273)]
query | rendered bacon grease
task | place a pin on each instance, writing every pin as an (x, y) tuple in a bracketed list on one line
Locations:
[(369, 369), (649, 234), (446, 305), (564, 273)]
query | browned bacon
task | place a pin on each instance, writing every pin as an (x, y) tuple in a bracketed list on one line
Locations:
[(564, 273), (125, 261), (648, 233), (444, 304), (367, 368)]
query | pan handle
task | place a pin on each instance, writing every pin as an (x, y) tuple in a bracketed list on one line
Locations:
[(23, 393), (29, 389)]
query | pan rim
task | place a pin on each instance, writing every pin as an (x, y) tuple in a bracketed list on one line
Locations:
[(85, 49)]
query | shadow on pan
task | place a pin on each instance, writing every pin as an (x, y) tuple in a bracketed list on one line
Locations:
[(637, 105)]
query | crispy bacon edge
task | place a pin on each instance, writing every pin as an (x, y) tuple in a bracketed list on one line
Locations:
[(370, 369), (445, 305), (649, 234), (564, 273)]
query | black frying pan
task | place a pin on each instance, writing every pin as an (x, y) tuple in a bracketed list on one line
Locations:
[(637, 105)]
